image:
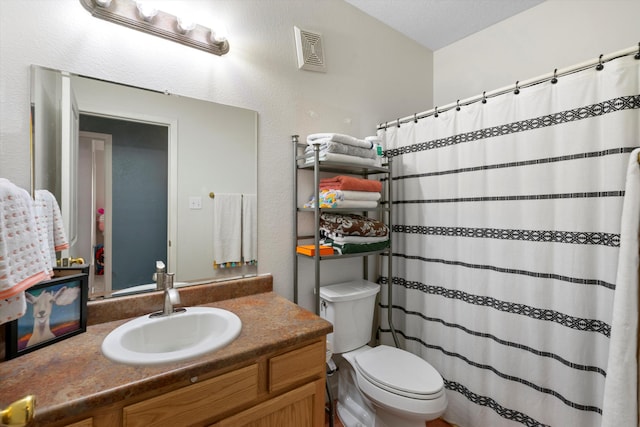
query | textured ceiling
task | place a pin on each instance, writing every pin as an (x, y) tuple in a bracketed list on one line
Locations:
[(438, 23)]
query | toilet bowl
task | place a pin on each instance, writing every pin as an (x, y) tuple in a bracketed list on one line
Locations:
[(401, 389), (379, 386)]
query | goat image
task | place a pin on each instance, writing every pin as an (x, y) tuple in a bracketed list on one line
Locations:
[(42, 309)]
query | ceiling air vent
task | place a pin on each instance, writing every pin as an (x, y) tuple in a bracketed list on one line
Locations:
[(310, 51)]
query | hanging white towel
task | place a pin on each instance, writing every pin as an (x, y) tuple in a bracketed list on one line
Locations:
[(50, 225), (249, 227), (22, 259), (620, 406), (227, 228)]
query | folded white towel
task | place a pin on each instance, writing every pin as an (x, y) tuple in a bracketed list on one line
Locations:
[(249, 227), (338, 137), (328, 146), (374, 139), (227, 228), (344, 158), (358, 195)]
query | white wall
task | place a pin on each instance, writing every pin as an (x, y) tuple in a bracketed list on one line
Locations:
[(553, 34), (260, 72)]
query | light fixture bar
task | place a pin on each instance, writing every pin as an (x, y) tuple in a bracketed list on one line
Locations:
[(165, 25)]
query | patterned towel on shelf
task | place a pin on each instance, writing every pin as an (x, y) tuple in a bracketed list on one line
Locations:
[(351, 225)]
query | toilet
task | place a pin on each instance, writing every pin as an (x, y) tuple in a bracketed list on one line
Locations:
[(379, 386)]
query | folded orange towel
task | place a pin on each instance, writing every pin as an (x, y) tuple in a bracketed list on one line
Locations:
[(344, 182)]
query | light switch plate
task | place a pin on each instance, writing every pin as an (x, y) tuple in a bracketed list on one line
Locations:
[(195, 202)]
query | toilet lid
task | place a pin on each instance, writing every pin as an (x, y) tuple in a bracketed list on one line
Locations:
[(400, 372)]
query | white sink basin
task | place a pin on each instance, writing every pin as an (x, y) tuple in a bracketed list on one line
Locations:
[(180, 336)]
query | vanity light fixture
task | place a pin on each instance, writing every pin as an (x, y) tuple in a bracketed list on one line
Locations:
[(143, 16)]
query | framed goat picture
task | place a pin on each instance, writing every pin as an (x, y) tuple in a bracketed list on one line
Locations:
[(56, 310)]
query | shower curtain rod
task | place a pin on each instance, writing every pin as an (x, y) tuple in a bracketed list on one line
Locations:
[(518, 85)]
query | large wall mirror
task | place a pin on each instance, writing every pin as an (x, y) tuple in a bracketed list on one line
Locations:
[(144, 176)]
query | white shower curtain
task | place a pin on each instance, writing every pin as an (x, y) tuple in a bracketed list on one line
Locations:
[(507, 235)]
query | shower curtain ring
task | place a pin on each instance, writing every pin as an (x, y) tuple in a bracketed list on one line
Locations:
[(637, 55), (554, 80), (484, 97), (436, 113), (517, 90), (600, 66), (386, 125), (398, 122), (458, 105), (415, 117)]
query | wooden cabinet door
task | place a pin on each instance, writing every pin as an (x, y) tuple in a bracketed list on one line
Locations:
[(301, 407)]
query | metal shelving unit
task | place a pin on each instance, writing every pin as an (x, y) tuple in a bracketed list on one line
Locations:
[(384, 210), (315, 167)]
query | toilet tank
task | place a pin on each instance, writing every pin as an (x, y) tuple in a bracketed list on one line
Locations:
[(349, 307)]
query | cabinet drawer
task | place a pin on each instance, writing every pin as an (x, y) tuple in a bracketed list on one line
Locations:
[(296, 366), (196, 403)]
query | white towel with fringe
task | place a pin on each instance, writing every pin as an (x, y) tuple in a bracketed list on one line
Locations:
[(227, 228), (249, 227), (620, 406)]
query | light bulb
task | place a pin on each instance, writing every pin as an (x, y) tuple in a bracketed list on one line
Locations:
[(147, 11), (185, 25), (219, 34)]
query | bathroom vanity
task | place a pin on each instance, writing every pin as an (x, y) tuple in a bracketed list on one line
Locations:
[(273, 374)]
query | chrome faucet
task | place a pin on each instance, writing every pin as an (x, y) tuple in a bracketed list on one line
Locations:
[(171, 295)]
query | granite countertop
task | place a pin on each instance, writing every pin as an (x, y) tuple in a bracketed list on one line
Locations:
[(72, 376)]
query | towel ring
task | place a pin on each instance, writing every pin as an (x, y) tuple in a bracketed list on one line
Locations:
[(212, 195)]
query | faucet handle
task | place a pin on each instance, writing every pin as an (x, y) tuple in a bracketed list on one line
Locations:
[(159, 276)]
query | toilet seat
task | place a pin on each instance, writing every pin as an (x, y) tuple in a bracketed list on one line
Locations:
[(400, 372)]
